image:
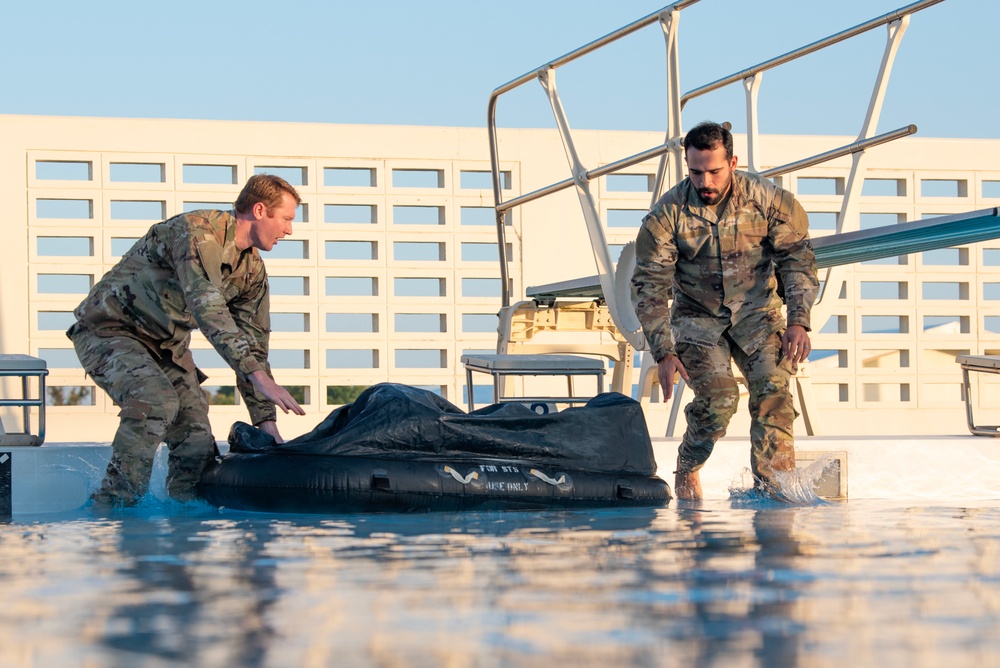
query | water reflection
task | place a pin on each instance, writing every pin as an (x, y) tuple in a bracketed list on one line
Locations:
[(753, 584), (181, 590)]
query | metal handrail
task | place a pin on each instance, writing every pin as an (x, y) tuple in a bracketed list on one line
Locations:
[(702, 90), (592, 46), (591, 174), (666, 16), (530, 76), (889, 17), (854, 147)]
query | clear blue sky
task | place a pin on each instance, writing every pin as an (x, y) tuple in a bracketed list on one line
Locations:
[(435, 62)]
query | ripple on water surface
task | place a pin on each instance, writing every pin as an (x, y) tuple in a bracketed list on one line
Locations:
[(749, 580)]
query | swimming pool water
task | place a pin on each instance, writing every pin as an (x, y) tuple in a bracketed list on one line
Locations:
[(716, 584)]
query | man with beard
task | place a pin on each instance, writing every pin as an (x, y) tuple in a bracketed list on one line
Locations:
[(728, 248)]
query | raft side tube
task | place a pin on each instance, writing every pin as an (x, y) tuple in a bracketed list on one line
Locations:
[(279, 482)]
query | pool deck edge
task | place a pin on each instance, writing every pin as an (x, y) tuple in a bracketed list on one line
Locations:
[(59, 477)]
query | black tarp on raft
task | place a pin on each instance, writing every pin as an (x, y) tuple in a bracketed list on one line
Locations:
[(401, 448), (607, 435)]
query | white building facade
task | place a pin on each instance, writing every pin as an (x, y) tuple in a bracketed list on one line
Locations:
[(392, 272)]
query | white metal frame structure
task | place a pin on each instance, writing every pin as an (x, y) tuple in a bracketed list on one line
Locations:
[(613, 286), (668, 18)]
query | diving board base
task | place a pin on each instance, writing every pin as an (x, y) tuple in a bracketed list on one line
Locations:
[(978, 364)]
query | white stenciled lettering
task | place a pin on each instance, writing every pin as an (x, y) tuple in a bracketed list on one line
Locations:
[(508, 487), (487, 467)]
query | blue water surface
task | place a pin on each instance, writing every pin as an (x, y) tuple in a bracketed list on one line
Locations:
[(722, 583)]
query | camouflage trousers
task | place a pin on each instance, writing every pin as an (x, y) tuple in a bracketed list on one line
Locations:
[(716, 396), (159, 402)]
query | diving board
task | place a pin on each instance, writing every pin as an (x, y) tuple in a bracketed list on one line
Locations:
[(905, 238), (840, 249)]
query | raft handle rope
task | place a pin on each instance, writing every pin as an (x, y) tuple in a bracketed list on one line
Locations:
[(552, 481), (473, 475)]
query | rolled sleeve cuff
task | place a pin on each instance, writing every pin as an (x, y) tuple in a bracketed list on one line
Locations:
[(260, 414), (249, 365), (659, 354), (799, 318)]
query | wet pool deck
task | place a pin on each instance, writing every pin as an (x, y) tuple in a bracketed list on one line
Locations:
[(58, 477), (928, 468)]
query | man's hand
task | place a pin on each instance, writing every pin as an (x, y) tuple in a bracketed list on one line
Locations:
[(274, 392), (271, 427), (795, 345), (666, 369)]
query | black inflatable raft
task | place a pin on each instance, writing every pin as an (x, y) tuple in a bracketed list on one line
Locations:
[(399, 448)]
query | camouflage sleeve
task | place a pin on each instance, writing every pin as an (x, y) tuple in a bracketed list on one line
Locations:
[(652, 280), (794, 259), (197, 260), (252, 313)]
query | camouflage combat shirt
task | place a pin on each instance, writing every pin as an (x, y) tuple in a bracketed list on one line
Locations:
[(723, 272), (187, 273)]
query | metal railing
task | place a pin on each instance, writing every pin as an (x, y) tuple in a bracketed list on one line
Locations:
[(668, 18), (751, 77), (887, 18), (849, 149)]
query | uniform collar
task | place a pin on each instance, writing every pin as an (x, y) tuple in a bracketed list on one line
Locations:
[(231, 253)]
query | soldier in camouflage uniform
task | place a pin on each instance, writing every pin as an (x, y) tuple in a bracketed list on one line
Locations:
[(132, 333), (729, 247)]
